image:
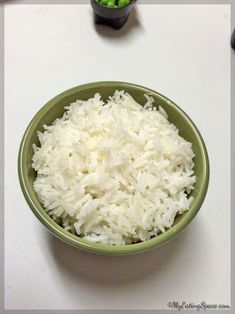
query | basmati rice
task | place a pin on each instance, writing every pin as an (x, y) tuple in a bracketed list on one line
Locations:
[(113, 172)]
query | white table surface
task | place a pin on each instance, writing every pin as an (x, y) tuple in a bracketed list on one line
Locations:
[(181, 51)]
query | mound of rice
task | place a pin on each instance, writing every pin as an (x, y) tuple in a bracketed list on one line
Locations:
[(115, 172)]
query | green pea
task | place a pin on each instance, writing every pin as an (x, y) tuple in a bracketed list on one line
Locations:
[(104, 2), (114, 3), (123, 3), (111, 4)]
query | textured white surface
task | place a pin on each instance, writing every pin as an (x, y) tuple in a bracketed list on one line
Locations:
[(181, 51)]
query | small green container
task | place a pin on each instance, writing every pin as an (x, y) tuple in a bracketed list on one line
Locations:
[(55, 109)]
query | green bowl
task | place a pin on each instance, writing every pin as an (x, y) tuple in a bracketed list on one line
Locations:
[(55, 108)]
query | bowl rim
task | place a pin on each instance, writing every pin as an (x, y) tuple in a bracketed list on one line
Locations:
[(89, 246)]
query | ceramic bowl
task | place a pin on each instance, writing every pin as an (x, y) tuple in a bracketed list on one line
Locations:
[(114, 17), (55, 109)]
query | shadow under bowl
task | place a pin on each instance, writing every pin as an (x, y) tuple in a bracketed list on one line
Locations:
[(55, 109)]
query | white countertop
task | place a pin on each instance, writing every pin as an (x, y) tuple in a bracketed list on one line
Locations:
[(182, 52)]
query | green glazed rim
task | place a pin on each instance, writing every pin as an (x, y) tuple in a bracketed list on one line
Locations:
[(86, 245)]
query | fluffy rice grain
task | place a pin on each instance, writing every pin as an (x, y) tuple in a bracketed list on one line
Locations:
[(113, 172)]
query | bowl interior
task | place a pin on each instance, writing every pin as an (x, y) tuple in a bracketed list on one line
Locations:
[(55, 109)]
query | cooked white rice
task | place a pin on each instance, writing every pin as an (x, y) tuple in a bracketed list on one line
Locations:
[(114, 172)]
